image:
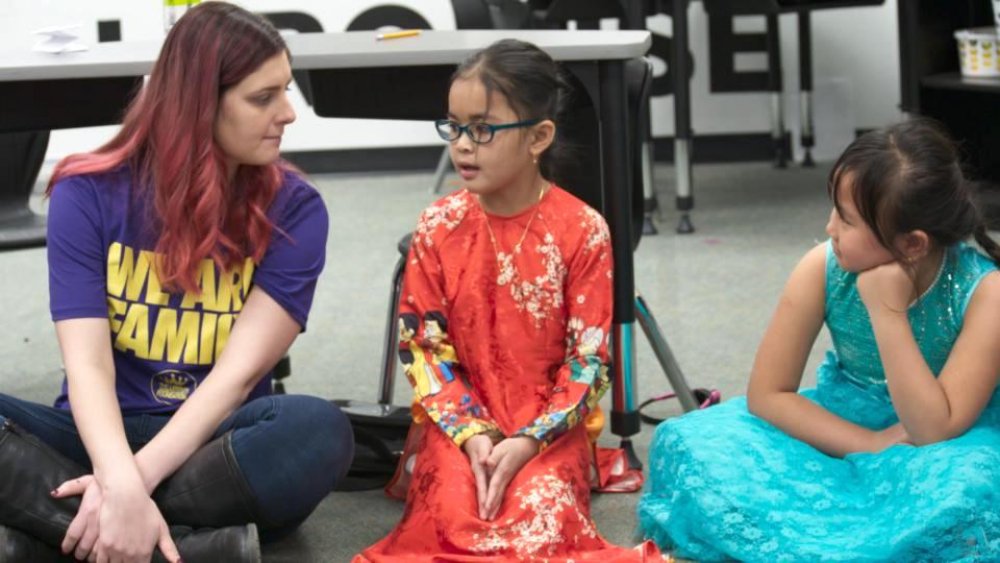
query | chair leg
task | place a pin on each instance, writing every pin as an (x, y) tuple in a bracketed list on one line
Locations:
[(383, 413), (683, 136), (808, 139), (281, 371), (21, 157), (650, 203), (663, 353), (775, 84), (444, 164), (391, 339)]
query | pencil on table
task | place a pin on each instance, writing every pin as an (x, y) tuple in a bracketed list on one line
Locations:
[(397, 34)]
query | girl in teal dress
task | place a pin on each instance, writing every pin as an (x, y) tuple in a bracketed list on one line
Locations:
[(895, 455)]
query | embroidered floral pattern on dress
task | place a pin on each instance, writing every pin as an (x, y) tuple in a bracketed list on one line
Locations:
[(590, 341), (598, 235), (552, 508), (574, 327), (448, 212), (582, 340), (542, 296), (585, 371)]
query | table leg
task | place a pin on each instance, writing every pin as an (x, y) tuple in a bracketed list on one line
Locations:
[(808, 139), (21, 157), (617, 194)]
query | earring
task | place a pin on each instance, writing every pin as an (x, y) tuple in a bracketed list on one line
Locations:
[(534, 160)]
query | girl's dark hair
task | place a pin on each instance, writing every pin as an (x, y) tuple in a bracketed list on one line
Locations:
[(438, 317), (907, 177), (530, 81)]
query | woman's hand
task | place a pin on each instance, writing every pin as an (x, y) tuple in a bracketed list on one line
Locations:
[(83, 530), (121, 524), (506, 459), (886, 288), (132, 527), (478, 448)]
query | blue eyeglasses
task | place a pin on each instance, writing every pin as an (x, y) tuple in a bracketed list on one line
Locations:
[(478, 131)]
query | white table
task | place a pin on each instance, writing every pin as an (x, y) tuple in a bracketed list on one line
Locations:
[(334, 50)]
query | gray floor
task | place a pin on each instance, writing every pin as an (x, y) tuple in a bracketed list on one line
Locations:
[(712, 293)]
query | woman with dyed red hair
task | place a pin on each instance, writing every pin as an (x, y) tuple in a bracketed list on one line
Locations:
[(158, 241)]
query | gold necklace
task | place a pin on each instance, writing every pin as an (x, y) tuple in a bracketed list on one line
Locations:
[(506, 261)]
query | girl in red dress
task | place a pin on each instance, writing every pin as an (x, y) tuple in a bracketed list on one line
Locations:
[(505, 315)]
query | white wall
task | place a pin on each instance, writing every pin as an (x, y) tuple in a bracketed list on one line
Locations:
[(855, 76), (855, 59)]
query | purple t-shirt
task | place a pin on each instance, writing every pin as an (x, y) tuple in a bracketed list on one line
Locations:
[(100, 253)]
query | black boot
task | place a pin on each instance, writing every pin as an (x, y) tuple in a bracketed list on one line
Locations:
[(17, 546), (215, 545), (208, 490), (234, 543), (30, 469)]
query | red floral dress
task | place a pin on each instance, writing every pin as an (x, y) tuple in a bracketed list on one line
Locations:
[(504, 326)]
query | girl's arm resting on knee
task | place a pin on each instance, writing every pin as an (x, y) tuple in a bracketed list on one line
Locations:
[(428, 355), (261, 336), (583, 378), (443, 390), (781, 358), (931, 408)]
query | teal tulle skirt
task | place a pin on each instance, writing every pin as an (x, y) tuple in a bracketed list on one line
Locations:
[(724, 484)]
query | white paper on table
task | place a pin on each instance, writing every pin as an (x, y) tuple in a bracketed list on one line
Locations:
[(59, 39)]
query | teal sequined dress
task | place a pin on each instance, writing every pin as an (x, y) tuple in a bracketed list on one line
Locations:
[(725, 484)]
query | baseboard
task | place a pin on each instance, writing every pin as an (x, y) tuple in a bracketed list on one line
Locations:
[(739, 147), (734, 147), (393, 159)]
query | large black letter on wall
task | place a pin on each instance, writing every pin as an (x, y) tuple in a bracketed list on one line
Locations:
[(663, 85), (723, 45), (382, 16)]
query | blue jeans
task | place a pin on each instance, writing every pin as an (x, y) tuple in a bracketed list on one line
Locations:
[(291, 449)]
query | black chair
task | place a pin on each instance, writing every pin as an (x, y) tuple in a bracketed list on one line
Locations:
[(771, 9), (29, 109), (21, 157), (587, 14)]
